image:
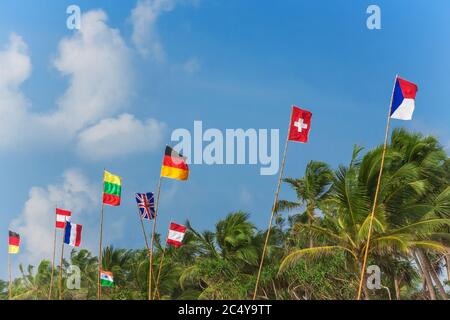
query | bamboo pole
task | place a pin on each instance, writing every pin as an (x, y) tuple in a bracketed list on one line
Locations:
[(146, 244), (161, 264), (375, 199), (99, 288), (153, 238), (53, 263), (61, 263), (10, 277), (273, 210)]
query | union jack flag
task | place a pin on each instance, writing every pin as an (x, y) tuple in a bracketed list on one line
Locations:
[(146, 205)]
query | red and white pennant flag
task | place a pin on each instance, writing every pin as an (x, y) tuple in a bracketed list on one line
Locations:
[(61, 217), (300, 125), (176, 235)]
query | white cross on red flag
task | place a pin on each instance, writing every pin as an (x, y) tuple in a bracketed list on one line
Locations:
[(300, 125)]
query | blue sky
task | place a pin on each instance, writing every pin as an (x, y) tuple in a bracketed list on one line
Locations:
[(231, 64)]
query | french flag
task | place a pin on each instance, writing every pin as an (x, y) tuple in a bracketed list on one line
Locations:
[(73, 234), (403, 100)]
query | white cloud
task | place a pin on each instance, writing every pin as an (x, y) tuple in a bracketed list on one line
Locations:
[(36, 222), (245, 196), (192, 65), (97, 62), (144, 17), (15, 68), (120, 136)]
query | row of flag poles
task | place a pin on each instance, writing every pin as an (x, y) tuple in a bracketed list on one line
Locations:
[(174, 166)]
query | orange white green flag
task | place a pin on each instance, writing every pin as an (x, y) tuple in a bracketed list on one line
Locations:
[(106, 279)]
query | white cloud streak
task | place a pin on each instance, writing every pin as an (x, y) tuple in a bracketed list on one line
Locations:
[(36, 222), (144, 18), (125, 134), (98, 63)]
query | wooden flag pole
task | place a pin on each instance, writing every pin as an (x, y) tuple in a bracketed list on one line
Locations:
[(10, 277), (99, 288), (61, 263), (153, 238), (375, 199), (53, 263), (161, 264), (146, 244), (273, 210)]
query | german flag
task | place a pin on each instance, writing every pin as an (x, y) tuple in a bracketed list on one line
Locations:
[(174, 165), (14, 243)]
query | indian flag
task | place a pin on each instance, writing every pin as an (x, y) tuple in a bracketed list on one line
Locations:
[(106, 279), (112, 188)]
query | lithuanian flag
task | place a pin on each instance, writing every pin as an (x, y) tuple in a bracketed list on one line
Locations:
[(112, 187), (14, 243), (174, 165)]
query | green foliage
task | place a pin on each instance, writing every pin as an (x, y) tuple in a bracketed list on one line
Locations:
[(316, 246)]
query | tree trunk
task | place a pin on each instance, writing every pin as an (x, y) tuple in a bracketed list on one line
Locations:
[(310, 222), (425, 275), (439, 285), (397, 287), (364, 286), (447, 262), (435, 276)]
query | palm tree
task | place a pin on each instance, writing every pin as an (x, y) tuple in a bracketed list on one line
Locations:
[(33, 286), (311, 189), (88, 265), (344, 226), (227, 259)]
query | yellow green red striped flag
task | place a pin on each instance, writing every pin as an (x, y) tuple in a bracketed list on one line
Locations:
[(112, 188)]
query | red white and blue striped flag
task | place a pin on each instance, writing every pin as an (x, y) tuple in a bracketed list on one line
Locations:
[(73, 234)]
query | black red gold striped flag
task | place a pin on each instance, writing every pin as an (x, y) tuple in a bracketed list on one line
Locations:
[(174, 165), (13, 243)]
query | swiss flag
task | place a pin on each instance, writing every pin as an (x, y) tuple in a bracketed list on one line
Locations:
[(300, 125)]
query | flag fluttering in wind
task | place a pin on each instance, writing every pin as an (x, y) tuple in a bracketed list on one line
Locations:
[(174, 165), (176, 235), (13, 243), (112, 187), (72, 236), (403, 100), (300, 125), (146, 205), (61, 217), (106, 279)]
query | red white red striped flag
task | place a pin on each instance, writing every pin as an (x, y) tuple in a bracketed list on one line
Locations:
[(176, 235), (61, 217)]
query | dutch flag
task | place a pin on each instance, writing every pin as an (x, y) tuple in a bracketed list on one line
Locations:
[(403, 100)]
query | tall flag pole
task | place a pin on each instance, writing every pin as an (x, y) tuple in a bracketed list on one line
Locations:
[(146, 211), (175, 237), (13, 248), (60, 221), (112, 189), (61, 263), (53, 261), (299, 127), (174, 166), (401, 107)]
